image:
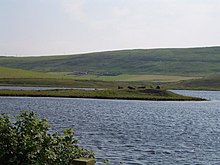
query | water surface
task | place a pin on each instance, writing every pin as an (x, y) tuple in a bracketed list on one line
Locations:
[(135, 132)]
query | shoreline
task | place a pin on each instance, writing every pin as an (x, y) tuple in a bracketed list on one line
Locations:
[(151, 95), (107, 98)]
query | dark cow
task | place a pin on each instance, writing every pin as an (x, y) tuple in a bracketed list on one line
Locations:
[(130, 87)]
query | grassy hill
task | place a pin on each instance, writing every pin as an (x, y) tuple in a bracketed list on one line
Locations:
[(20, 77), (6, 72), (206, 83), (180, 62), (12, 75)]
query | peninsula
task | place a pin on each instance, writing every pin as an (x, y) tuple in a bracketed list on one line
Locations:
[(122, 94)]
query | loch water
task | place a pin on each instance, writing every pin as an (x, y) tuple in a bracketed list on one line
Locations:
[(135, 132)]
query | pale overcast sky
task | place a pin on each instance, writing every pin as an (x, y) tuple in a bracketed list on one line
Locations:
[(75, 26)]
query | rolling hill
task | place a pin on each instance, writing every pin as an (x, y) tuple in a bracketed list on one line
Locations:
[(20, 77), (205, 83), (180, 61), (6, 72)]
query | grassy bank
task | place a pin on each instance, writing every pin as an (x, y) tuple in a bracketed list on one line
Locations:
[(145, 94)]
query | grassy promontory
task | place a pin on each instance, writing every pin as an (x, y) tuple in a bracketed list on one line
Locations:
[(123, 94)]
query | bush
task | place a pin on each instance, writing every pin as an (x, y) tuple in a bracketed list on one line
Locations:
[(26, 141)]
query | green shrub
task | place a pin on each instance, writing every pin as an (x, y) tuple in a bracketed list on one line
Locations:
[(26, 141)]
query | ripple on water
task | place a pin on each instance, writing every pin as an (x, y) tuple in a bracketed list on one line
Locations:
[(134, 132)]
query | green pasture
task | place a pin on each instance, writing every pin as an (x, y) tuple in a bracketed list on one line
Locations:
[(6, 72), (20, 77), (205, 83), (143, 77), (146, 94)]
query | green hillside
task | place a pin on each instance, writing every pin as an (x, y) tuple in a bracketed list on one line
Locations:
[(206, 83), (20, 77), (184, 61), (6, 72)]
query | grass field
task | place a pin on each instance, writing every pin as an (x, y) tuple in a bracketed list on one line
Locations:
[(206, 83), (6, 72), (147, 94), (19, 77), (126, 77)]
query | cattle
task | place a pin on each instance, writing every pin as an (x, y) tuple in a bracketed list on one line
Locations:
[(158, 87), (120, 87), (130, 87)]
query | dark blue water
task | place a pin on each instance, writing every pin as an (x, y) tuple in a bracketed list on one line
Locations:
[(135, 132)]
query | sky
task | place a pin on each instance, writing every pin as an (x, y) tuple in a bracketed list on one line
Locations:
[(44, 27)]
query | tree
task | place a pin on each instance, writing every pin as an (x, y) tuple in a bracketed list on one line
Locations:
[(26, 141)]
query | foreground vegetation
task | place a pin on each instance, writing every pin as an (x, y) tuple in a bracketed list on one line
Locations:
[(26, 141), (126, 94)]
